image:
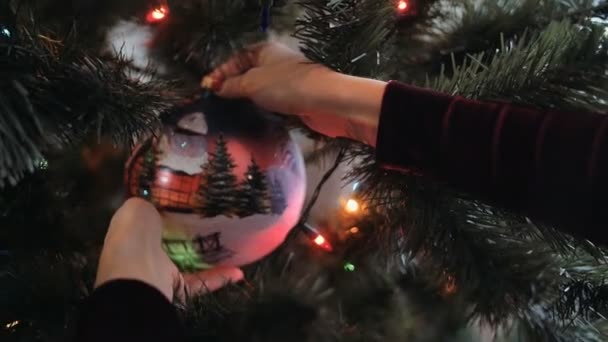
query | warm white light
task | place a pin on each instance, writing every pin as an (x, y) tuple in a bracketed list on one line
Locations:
[(402, 6), (319, 240), (164, 179), (158, 14), (351, 206), (12, 324)]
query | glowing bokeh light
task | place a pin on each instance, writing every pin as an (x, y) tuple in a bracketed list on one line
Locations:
[(402, 6), (352, 206), (157, 14), (319, 240), (12, 324)]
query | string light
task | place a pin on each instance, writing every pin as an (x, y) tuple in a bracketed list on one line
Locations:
[(319, 240), (12, 324), (157, 14), (348, 267), (43, 164), (316, 237), (354, 230), (450, 287), (352, 206), (5, 32), (402, 5)]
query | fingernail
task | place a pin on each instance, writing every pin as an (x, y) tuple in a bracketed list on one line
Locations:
[(210, 83)]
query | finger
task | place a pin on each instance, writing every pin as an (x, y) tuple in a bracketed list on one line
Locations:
[(211, 280), (232, 88), (236, 65), (132, 248), (242, 61), (136, 219), (233, 68)]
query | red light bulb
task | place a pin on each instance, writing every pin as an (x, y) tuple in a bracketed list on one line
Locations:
[(316, 237), (157, 14), (402, 6), (319, 240)]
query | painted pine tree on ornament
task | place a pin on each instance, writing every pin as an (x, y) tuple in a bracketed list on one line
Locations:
[(148, 173), (218, 187), (253, 197)]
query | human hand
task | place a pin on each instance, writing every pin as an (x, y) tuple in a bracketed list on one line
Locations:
[(282, 80), (132, 250)]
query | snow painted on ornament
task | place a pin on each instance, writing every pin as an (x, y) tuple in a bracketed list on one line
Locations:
[(184, 147), (227, 198)]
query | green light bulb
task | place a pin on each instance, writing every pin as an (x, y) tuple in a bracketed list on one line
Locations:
[(348, 267)]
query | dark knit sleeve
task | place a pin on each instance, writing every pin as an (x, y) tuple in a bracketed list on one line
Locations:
[(128, 310), (552, 166)]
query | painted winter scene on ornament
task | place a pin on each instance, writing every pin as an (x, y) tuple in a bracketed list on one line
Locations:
[(228, 180)]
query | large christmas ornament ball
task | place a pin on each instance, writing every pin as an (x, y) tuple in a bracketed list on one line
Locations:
[(228, 180)]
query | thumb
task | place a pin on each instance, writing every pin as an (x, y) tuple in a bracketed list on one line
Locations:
[(211, 280)]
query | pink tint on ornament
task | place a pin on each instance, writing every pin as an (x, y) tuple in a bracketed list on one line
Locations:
[(241, 152), (202, 175)]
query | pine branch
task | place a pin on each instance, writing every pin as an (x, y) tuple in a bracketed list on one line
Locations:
[(492, 247), (328, 29), (202, 33), (475, 28), (27, 279), (563, 68), (583, 293), (323, 302), (521, 260), (52, 95)]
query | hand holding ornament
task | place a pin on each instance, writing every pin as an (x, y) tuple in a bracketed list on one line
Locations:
[(282, 80), (132, 250)]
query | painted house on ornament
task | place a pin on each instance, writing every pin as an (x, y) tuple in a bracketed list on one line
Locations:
[(172, 190)]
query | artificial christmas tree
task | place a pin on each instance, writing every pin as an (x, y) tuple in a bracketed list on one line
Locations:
[(58, 88)]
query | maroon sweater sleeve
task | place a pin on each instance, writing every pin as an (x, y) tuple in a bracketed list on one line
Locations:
[(129, 311), (552, 166)]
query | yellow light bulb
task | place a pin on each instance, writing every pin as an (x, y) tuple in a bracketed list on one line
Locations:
[(351, 206)]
